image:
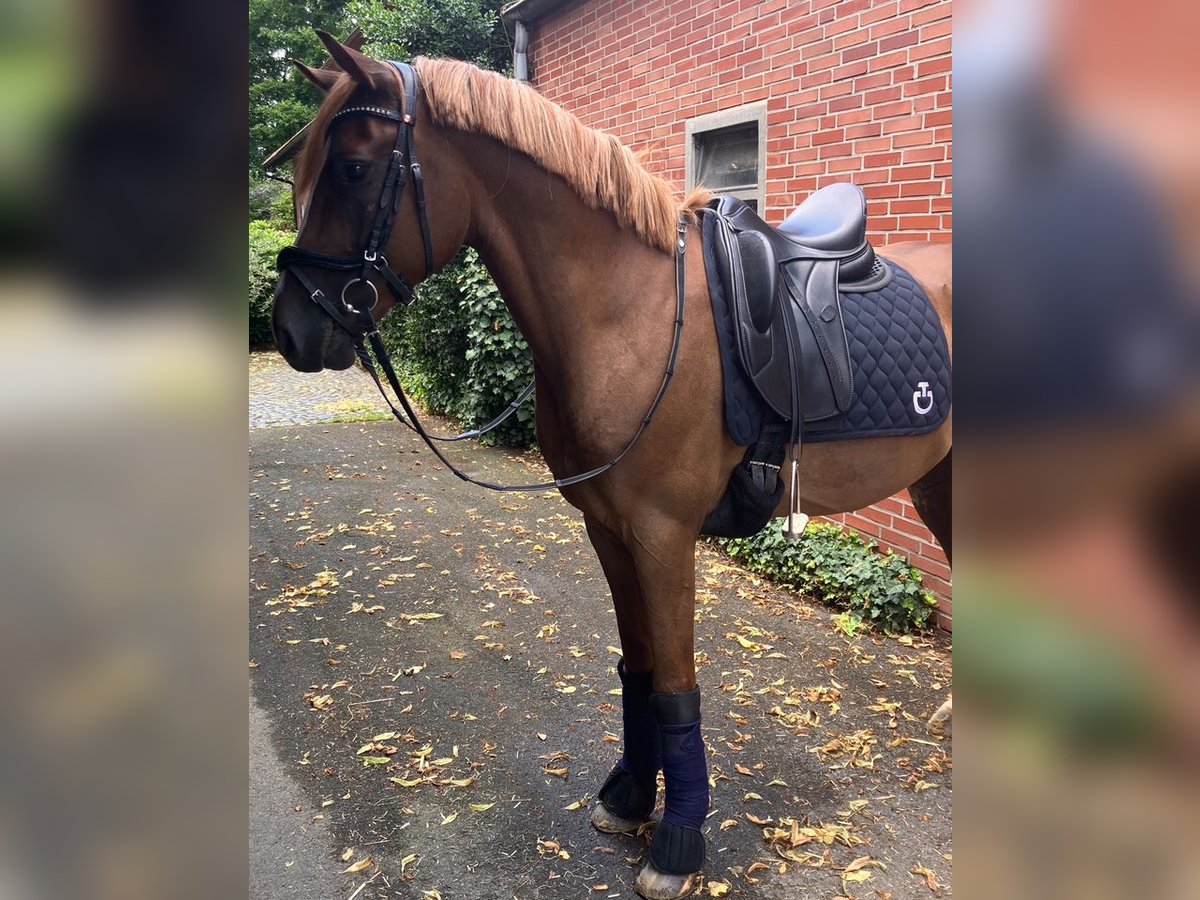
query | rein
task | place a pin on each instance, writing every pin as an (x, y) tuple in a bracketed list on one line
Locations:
[(360, 324)]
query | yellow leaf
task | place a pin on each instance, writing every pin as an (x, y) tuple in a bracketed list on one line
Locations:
[(404, 863), (729, 823), (859, 863), (457, 654), (443, 761), (569, 689), (364, 863), (859, 875), (450, 818), (576, 805), (406, 782), (717, 889), (385, 736), (482, 807), (348, 854), (743, 770)]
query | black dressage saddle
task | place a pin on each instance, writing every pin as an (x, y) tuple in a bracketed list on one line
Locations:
[(782, 289)]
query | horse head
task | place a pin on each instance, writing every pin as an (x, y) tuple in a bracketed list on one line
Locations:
[(382, 204)]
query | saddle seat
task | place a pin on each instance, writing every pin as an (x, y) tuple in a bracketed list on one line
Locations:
[(782, 285)]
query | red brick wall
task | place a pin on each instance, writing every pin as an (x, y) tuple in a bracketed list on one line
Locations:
[(856, 90)]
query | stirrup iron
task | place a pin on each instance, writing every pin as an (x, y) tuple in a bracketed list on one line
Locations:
[(796, 520)]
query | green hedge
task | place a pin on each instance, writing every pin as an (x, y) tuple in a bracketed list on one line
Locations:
[(265, 243), (843, 569), (461, 354)]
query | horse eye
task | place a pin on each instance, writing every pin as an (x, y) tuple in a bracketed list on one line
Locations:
[(354, 171)]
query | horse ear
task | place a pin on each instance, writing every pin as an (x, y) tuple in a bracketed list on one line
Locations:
[(358, 66), (324, 79)]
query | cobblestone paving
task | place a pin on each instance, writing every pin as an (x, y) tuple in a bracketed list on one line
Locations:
[(279, 395)]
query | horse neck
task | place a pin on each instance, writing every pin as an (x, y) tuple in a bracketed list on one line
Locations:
[(575, 280)]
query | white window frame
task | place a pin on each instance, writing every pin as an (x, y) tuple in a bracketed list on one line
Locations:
[(697, 127)]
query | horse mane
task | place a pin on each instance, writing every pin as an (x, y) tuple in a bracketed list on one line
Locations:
[(602, 170), (605, 173)]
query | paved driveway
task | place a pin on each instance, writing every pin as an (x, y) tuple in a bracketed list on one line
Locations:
[(432, 692)]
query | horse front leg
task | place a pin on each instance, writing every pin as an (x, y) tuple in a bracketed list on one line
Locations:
[(664, 559), (627, 798)]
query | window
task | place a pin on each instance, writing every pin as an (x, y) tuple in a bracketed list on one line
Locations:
[(727, 153)]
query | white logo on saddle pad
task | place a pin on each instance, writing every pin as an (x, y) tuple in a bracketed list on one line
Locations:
[(924, 394)]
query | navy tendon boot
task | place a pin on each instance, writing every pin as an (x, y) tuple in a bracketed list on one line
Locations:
[(627, 797), (677, 851)]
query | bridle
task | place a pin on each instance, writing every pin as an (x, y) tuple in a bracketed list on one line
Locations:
[(403, 159), (360, 324)]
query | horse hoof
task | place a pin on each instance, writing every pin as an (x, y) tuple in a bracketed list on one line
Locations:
[(939, 724), (655, 885), (609, 823)]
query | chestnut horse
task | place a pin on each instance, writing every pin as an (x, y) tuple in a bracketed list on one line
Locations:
[(581, 242)]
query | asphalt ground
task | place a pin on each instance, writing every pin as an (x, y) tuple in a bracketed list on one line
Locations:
[(434, 695)]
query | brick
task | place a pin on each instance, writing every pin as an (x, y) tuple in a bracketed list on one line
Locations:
[(920, 189), (867, 130), (879, 12), (889, 110), (893, 25), (883, 95), (912, 173), (924, 154), (882, 160), (857, 117), (910, 138), (933, 48), (896, 41), (863, 51)]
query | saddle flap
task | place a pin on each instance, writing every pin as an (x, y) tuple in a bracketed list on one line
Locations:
[(761, 277), (825, 353)]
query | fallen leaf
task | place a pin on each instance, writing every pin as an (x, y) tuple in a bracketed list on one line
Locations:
[(364, 863), (930, 877), (717, 889), (482, 807), (450, 818)]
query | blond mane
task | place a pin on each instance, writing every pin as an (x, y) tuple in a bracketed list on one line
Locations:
[(603, 171)]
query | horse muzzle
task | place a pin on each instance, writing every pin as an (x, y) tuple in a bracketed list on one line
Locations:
[(306, 337)]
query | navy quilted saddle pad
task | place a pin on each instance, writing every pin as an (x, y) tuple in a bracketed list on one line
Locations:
[(898, 356)]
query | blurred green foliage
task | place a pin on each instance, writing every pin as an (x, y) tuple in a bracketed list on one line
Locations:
[(266, 241)]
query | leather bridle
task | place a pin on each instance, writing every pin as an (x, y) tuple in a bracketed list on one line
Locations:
[(403, 159), (360, 324)]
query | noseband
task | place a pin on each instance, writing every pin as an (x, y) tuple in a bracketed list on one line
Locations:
[(357, 320), (360, 323)]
